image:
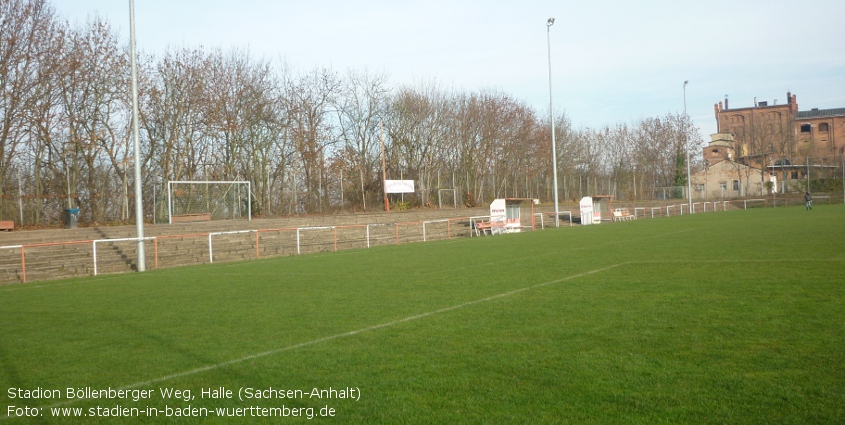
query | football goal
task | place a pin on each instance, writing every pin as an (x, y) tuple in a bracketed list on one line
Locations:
[(208, 200), (440, 193)]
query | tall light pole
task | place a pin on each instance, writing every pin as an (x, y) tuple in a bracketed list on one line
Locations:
[(549, 24), (139, 205), (686, 148)]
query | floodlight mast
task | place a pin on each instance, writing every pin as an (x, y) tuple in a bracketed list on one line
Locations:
[(686, 148), (139, 205), (549, 24)]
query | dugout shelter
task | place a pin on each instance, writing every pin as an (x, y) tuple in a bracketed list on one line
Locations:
[(510, 215), (596, 209)]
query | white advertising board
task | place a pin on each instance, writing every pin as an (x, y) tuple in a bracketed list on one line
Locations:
[(497, 209), (399, 186), (586, 205)]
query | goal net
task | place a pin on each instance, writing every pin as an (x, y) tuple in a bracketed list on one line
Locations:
[(208, 200)]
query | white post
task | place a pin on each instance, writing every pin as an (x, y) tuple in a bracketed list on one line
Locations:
[(686, 148), (210, 249), (20, 195), (139, 204), (95, 257), (549, 24), (169, 205)]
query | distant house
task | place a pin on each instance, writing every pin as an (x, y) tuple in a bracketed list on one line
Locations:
[(725, 178)]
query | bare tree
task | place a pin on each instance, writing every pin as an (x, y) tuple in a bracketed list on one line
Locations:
[(27, 29), (361, 104), (309, 100)]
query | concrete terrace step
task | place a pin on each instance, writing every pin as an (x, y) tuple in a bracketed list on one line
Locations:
[(187, 243)]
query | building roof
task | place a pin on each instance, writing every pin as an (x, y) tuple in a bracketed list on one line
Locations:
[(734, 164), (820, 113)]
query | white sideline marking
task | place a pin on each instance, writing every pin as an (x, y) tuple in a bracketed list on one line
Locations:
[(342, 335), (369, 328)]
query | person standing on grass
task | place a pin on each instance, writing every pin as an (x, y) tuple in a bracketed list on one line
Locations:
[(808, 201)]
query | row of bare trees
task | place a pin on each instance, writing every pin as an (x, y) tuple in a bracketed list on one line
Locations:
[(309, 142)]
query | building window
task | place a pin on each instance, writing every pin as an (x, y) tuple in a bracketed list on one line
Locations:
[(699, 187), (805, 128), (794, 175), (736, 184), (723, 185), (824, 127)]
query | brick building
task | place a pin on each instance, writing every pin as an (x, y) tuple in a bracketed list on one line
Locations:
[(782, 130), (777, 138)]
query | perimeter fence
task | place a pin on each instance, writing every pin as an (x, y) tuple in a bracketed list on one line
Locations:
[(92, 257)]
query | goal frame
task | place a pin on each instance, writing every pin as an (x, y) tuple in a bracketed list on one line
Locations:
[(170, 184), (440, 198)]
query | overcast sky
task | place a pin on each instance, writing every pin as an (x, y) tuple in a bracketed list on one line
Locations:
[(612, 61)]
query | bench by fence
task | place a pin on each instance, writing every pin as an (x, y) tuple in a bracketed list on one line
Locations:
[(7, 225), (182, 218), (622, 214)]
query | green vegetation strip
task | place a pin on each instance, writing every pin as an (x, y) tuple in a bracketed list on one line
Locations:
[(728, 317)]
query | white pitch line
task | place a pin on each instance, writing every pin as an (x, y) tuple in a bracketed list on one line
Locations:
[(343, 335), (369, 328)]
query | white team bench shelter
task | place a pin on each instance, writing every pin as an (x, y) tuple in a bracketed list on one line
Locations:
[(595, 209), (508, 215)]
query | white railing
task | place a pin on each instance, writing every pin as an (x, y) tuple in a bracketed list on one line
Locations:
[(745, 202), (298, 251), (433, 221), (211, 248), (542, 224), (639, 208), (570, 216), (473, 224), (368, 231)]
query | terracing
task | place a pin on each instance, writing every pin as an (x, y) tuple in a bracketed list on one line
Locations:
[(62, 253)]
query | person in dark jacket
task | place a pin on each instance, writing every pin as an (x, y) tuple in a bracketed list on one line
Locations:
[(808, 201)]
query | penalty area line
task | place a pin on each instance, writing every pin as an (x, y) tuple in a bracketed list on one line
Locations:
[(346, 334)]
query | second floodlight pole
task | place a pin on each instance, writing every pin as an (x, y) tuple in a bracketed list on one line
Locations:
[(383, 167)]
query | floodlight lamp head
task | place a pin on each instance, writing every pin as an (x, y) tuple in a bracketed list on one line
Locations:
[(550, 22), (686, 82)]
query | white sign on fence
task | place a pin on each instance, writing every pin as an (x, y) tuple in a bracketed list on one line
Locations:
[(399, 186)]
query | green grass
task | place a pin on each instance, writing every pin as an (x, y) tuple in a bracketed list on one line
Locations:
[(728, 317)]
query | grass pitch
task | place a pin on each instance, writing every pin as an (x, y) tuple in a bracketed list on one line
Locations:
[(727, 317)]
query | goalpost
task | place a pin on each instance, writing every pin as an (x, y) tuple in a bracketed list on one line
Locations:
[(440, 197), (211, 200)]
